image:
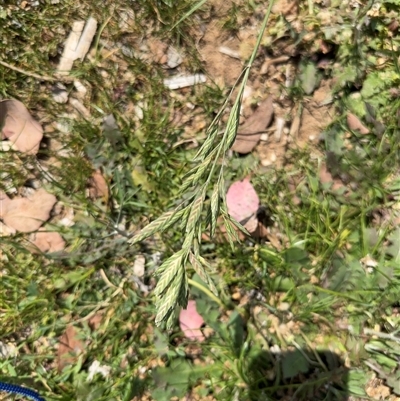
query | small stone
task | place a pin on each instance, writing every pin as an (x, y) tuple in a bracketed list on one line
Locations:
[(174, 58), (266, 162), (59, 93), (284, 306), (139, 266), (80, 89), (236, 296)]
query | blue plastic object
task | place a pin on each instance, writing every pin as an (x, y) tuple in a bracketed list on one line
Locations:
[(26, 392)]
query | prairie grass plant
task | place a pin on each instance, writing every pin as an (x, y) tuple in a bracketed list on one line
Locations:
[(310, 312)]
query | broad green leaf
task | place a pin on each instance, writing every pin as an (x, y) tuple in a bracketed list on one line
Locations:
[(294, 363)]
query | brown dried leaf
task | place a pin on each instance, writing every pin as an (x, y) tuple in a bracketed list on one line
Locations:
[(98, 187), (250, 132), (325, 177), (293, 184), (261, 231), (158, 51), (19, 127), (46, 241), (284, 7), (251, 225), (295, 126), (69, 348), (28, 214), (355, 124), (4, 201), (96, 320), (5, 231)]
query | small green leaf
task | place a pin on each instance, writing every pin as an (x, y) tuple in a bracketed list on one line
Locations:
[(393, 381), (173, 380), (294, 363), (356, 381), (373, 84), (394, 249), (308, 77), (347, 75)]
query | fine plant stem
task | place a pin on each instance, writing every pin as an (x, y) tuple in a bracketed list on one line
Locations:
[(381, 335), (36, 76), (189, 13), (206, 291)]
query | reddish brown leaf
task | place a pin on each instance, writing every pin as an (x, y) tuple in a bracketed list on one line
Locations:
[(98, 187), (292, 186), (393, 26), (250, 132), (28, 214), (69, 348), (324, 175), (326, 178), (19, 127), (355, 124), (95, 321), (260, 232)]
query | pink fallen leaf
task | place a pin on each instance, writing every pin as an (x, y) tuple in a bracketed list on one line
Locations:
[(19, 127), (28, 214), (355, 124), (190, 322), (47, 241), (242, 200), (250, 132)]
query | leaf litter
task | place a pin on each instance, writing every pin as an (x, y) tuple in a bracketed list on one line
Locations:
[(355, 124), (19, 127), (46, 241), (70, 348), (250, 132), (27, 214), (98, 187), (243, 203)]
